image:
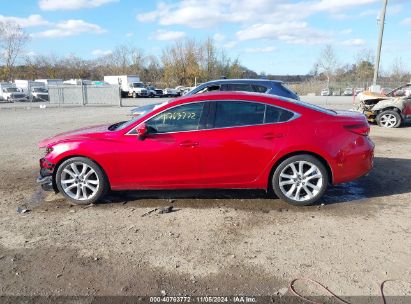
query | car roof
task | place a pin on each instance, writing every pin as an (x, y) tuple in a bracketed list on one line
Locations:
[(246, 81), (227, 95)]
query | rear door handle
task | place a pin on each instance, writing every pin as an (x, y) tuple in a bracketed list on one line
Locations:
[(189, 144), (273, 135)]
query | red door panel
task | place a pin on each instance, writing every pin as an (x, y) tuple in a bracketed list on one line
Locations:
[(160, 160), (239, 155)]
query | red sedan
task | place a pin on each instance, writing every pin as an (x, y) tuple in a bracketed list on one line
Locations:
[(219, 140)]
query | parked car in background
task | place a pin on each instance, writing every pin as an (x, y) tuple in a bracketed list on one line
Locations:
[(325, 92), (385, 91), (187, 89), (216, 140), (142, 110), (137, 89), (348, 92), (159, 93), (34, 90), (39, 94), (10, 93), (169, 92), (153, 92), (388, 111), (358, 91), (336, 92), (124, 81), (272, 87)]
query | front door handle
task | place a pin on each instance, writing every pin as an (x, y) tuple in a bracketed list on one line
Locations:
[(189, 144), (272, 135)]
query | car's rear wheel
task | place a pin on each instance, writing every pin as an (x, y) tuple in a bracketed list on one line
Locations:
[(300, 180), (389, 119), (81, 180)]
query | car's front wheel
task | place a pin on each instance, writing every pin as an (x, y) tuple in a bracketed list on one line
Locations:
[(81, 180), (300, 180), (389, 119)]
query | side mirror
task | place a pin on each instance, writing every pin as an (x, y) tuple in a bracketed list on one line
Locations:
[(142, 131)]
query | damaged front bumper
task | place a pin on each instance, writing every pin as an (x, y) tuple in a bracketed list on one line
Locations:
[(46, 175)]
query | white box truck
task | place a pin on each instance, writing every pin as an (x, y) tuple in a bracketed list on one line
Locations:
[(35, 90), (10, 93), (130, 85)]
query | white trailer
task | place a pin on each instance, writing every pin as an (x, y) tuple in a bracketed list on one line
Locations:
[(124, 81), (26, 85)]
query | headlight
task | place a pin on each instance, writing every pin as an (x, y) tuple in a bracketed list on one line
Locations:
[(49, 150)]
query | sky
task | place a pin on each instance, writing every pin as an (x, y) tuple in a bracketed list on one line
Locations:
[(270, 36)]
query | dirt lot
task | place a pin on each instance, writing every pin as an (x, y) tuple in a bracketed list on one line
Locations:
[(216, 243)]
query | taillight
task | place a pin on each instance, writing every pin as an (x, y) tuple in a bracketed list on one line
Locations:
[(359, 128)]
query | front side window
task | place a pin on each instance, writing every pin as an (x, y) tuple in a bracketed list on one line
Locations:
[(181, 118), (241, 113)]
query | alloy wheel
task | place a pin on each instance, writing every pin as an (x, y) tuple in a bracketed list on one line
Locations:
[(79, 181), (301, 181), (388, 120)]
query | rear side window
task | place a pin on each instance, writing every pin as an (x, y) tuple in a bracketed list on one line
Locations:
[(242, 87), (241, 113), (238, 113), (274, 114)]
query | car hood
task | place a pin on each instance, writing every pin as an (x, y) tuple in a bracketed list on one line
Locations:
[(88, 132)]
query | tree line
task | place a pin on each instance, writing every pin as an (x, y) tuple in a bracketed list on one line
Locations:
[(182, 63)]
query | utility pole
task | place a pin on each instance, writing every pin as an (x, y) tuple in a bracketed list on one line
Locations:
[(378, 55)]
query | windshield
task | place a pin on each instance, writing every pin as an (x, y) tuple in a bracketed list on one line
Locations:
[(138, 113), (40, 90), (137, 85), (10, 90)]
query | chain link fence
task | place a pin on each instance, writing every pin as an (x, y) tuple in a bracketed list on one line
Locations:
[(84, 95), (315, 86)]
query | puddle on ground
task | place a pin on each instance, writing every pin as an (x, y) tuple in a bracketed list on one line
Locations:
[(346, 192)]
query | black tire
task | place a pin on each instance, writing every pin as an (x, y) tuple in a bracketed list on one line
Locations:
[(382, 121), (284, 165), (103, 186)]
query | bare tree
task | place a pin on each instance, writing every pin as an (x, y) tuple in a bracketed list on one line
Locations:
[(398, 72), (328, 63), (12, 42)]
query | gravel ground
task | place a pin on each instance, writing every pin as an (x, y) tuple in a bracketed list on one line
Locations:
[(216, 243)]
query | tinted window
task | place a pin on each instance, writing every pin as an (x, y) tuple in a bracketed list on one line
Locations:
[(237, 87), (210, 88), (259, 88), (238, 113), (280, 90), (274, 114), (180, 118)]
